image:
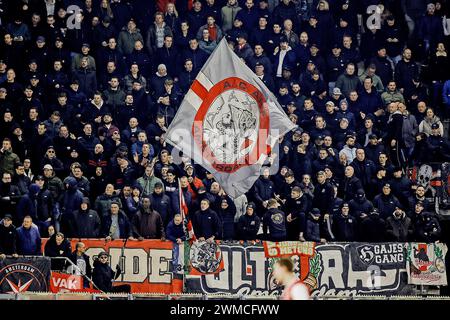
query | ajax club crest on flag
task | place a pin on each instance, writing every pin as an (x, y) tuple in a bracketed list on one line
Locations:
[(228, 121)]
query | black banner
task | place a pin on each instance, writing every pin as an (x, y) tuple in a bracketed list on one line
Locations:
[(24, 274), (334, 269)]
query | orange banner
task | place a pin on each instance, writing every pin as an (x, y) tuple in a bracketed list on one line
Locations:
[(146, 265)]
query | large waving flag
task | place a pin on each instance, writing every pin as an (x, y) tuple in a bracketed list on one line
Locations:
[(228, 121)]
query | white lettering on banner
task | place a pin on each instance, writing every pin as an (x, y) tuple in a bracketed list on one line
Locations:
[(357, 278), (134, 259), (388, 248), (158, 263), (237, 275), (374, 280), (333, 268), (259, 267), (137, 264), (245, 272), (69, 283), (392, 258)]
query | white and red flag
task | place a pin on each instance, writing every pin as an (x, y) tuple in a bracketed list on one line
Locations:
[(228, 121)]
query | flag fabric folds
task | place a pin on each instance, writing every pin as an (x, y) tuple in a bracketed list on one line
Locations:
[(228, 122)]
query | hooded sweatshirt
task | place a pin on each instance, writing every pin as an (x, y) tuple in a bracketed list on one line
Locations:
[(86, 223)]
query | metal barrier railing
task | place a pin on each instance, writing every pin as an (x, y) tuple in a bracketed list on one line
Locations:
[(151, 296)]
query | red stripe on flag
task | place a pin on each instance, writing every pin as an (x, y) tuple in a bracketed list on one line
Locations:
[(184, 213), (199, 89)]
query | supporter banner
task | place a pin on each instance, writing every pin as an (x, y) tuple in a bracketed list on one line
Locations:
[(148, 266), (63, 282), (202, 257), (288, 248), (24, 274), (426, 264), (338, 269)]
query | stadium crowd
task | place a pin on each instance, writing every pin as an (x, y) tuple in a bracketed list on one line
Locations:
[(87, 94)]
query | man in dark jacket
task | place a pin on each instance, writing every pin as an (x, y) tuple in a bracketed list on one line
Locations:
[(71, 201), (206, 223), (344, 225), (57, 247), (248, 224), (401, 187), (28, 238), (297, 206), (427, 228), (274, 222), (263, 190), (28, 204), (147, 223), (161, 203), (9, 195), (20, 179), (364, 168), (399, 227), (360, 207), (175, 230), (373, 227), (45, 205), (103, 275), (86, 78), (8, 237), (86, 222), (323, 194), (386, 202), (350, 184), (116, 225)]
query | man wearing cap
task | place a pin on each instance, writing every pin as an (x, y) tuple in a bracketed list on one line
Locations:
[(386, 202), (104, 32), (438, 145), (103, 275), (161, 202), (248, 224), (283, 56), (242, 48), (8, 235), (76, 61), (374, 148), (116, 224), (130, 34), (330, 116), (335, 64)]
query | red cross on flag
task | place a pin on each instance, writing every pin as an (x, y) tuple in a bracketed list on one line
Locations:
[(228, 121)]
